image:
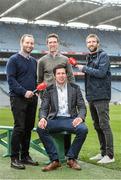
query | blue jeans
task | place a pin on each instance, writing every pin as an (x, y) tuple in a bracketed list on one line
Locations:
[(62, 124)]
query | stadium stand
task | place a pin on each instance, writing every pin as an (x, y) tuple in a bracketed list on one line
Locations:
[(72, 39), (72, 43)]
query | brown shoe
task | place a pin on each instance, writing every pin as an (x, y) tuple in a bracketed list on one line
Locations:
[(73, 164), (52, 166)]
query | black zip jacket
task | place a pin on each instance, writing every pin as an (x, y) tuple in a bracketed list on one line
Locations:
[(97, 77)]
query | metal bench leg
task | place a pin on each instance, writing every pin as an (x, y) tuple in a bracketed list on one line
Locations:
[(9, 133), (59, 143)]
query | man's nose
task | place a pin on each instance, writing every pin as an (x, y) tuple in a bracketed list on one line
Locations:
[(91, 43)]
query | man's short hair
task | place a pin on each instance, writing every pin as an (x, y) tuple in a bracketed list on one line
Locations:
[(59, 66), (24, 36), (93, 36), (52, 35)]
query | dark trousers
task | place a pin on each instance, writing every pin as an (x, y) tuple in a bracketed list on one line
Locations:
[(62, 124), (24, 112), (100, 115)]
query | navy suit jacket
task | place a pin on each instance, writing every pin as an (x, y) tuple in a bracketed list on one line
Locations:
[(76, 104)]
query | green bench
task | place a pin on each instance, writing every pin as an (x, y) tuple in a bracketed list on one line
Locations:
[(5, 138), (58, 138)]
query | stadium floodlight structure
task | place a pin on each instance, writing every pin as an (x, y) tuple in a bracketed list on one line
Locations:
[(54, 9), (92, 13), (12, 8), (88, 13)]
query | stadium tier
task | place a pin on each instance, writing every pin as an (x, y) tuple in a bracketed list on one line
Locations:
[(72, 39), (72, 43)]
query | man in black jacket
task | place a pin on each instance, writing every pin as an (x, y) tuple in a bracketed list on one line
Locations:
[(98, 94), (62, 109)]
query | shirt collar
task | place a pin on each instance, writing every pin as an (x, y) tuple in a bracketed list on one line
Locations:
[(61, 87), (25, 55), (57, 54)]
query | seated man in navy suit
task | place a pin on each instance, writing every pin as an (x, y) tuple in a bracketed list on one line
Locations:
[(62, 109)]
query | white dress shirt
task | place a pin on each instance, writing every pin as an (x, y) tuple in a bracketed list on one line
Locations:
[(62, 100)]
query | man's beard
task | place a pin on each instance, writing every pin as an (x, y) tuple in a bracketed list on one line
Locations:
[(27, 51), (94, 49)]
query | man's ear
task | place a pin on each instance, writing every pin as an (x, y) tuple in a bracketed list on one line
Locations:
[(98, 44)]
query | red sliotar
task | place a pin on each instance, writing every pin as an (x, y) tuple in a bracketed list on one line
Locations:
[(72, 61), (41, 86)]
